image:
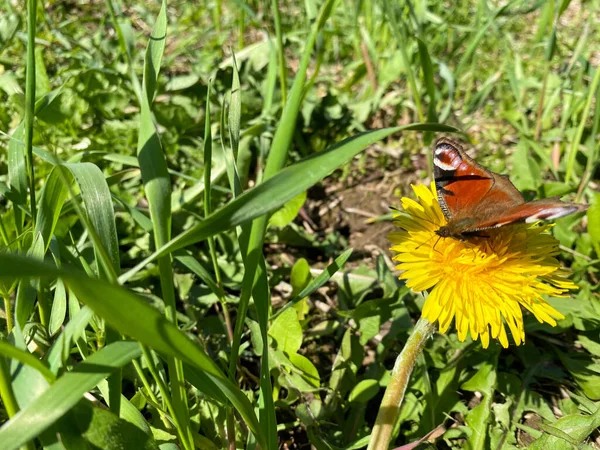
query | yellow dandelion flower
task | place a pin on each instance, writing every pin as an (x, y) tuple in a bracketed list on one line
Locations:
[(483, 283)]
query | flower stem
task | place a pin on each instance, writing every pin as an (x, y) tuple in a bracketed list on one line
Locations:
[(394, 393), (9, 314)]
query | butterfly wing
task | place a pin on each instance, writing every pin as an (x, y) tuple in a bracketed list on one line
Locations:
[(530, 212), (467, 189)]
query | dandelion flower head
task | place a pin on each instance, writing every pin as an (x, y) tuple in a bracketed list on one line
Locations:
[(482, 283)]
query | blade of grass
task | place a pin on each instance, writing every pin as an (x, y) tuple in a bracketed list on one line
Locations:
[(550, 49), (319, 281), (97, 199), (131, 315), (576, 142), (474, 43), (447, 75), (53, 196), (280, 52), (127, 45), (99, 224), (157, 186), (235, 111), (208, 201), (400, 32), (6, 391), (65, 393), (253, 262), (7, 394), (427, 68), (593, 160), (17, 175), (234, 117), (98, 205), (10, 351), (59, 352), (271, 80), (192, 264), (28, 288), (274, 193), (30, 101)]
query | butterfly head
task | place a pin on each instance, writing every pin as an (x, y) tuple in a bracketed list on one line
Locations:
[(457, 229)]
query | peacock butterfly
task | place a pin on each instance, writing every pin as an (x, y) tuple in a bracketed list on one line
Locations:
[(473, 198)]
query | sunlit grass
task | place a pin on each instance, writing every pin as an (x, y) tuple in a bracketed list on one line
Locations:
[(138, 264)]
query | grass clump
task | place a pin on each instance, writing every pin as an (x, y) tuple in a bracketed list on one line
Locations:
[(185, 189)]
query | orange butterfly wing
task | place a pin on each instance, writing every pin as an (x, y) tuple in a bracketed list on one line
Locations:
[(474, 198), (467, 189)]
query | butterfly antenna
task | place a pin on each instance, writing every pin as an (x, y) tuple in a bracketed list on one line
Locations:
[(436, 243), (428, 240)]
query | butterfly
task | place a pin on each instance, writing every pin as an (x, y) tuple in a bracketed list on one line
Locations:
[(474, 198)]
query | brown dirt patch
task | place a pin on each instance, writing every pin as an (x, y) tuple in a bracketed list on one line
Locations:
[(348, 204)]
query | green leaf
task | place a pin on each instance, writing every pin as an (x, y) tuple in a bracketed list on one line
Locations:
[(369, 316), (585, 371), (345, 366), (364, 391), (97, 199), (28, 287), (319, 281), (309, 372), (255, 337), (300, 276), (590, 343), (17, 175), (65, 393), (566, 432), (42, 82), (299, 279), (29, 379), (235, 111), (157, 183), (132, 316), (477, 37), (576, 140), (92, 427), (478, 419), (288, 211), (54, 194), (593, 216), (228, 157), (74, 329), (154, 53), (59, 308), (98, 205), (287, 332), (24, 357), (428, 75), (526, 172)]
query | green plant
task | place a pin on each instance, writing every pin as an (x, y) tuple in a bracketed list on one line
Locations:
[(179, 295)]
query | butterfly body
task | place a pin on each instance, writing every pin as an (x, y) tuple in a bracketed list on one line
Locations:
[(474, 198)]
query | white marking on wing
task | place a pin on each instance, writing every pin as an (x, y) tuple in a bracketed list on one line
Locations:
[(442, 165), (550, 214)]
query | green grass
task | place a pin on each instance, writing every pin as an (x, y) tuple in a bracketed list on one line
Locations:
[(159, 162)]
